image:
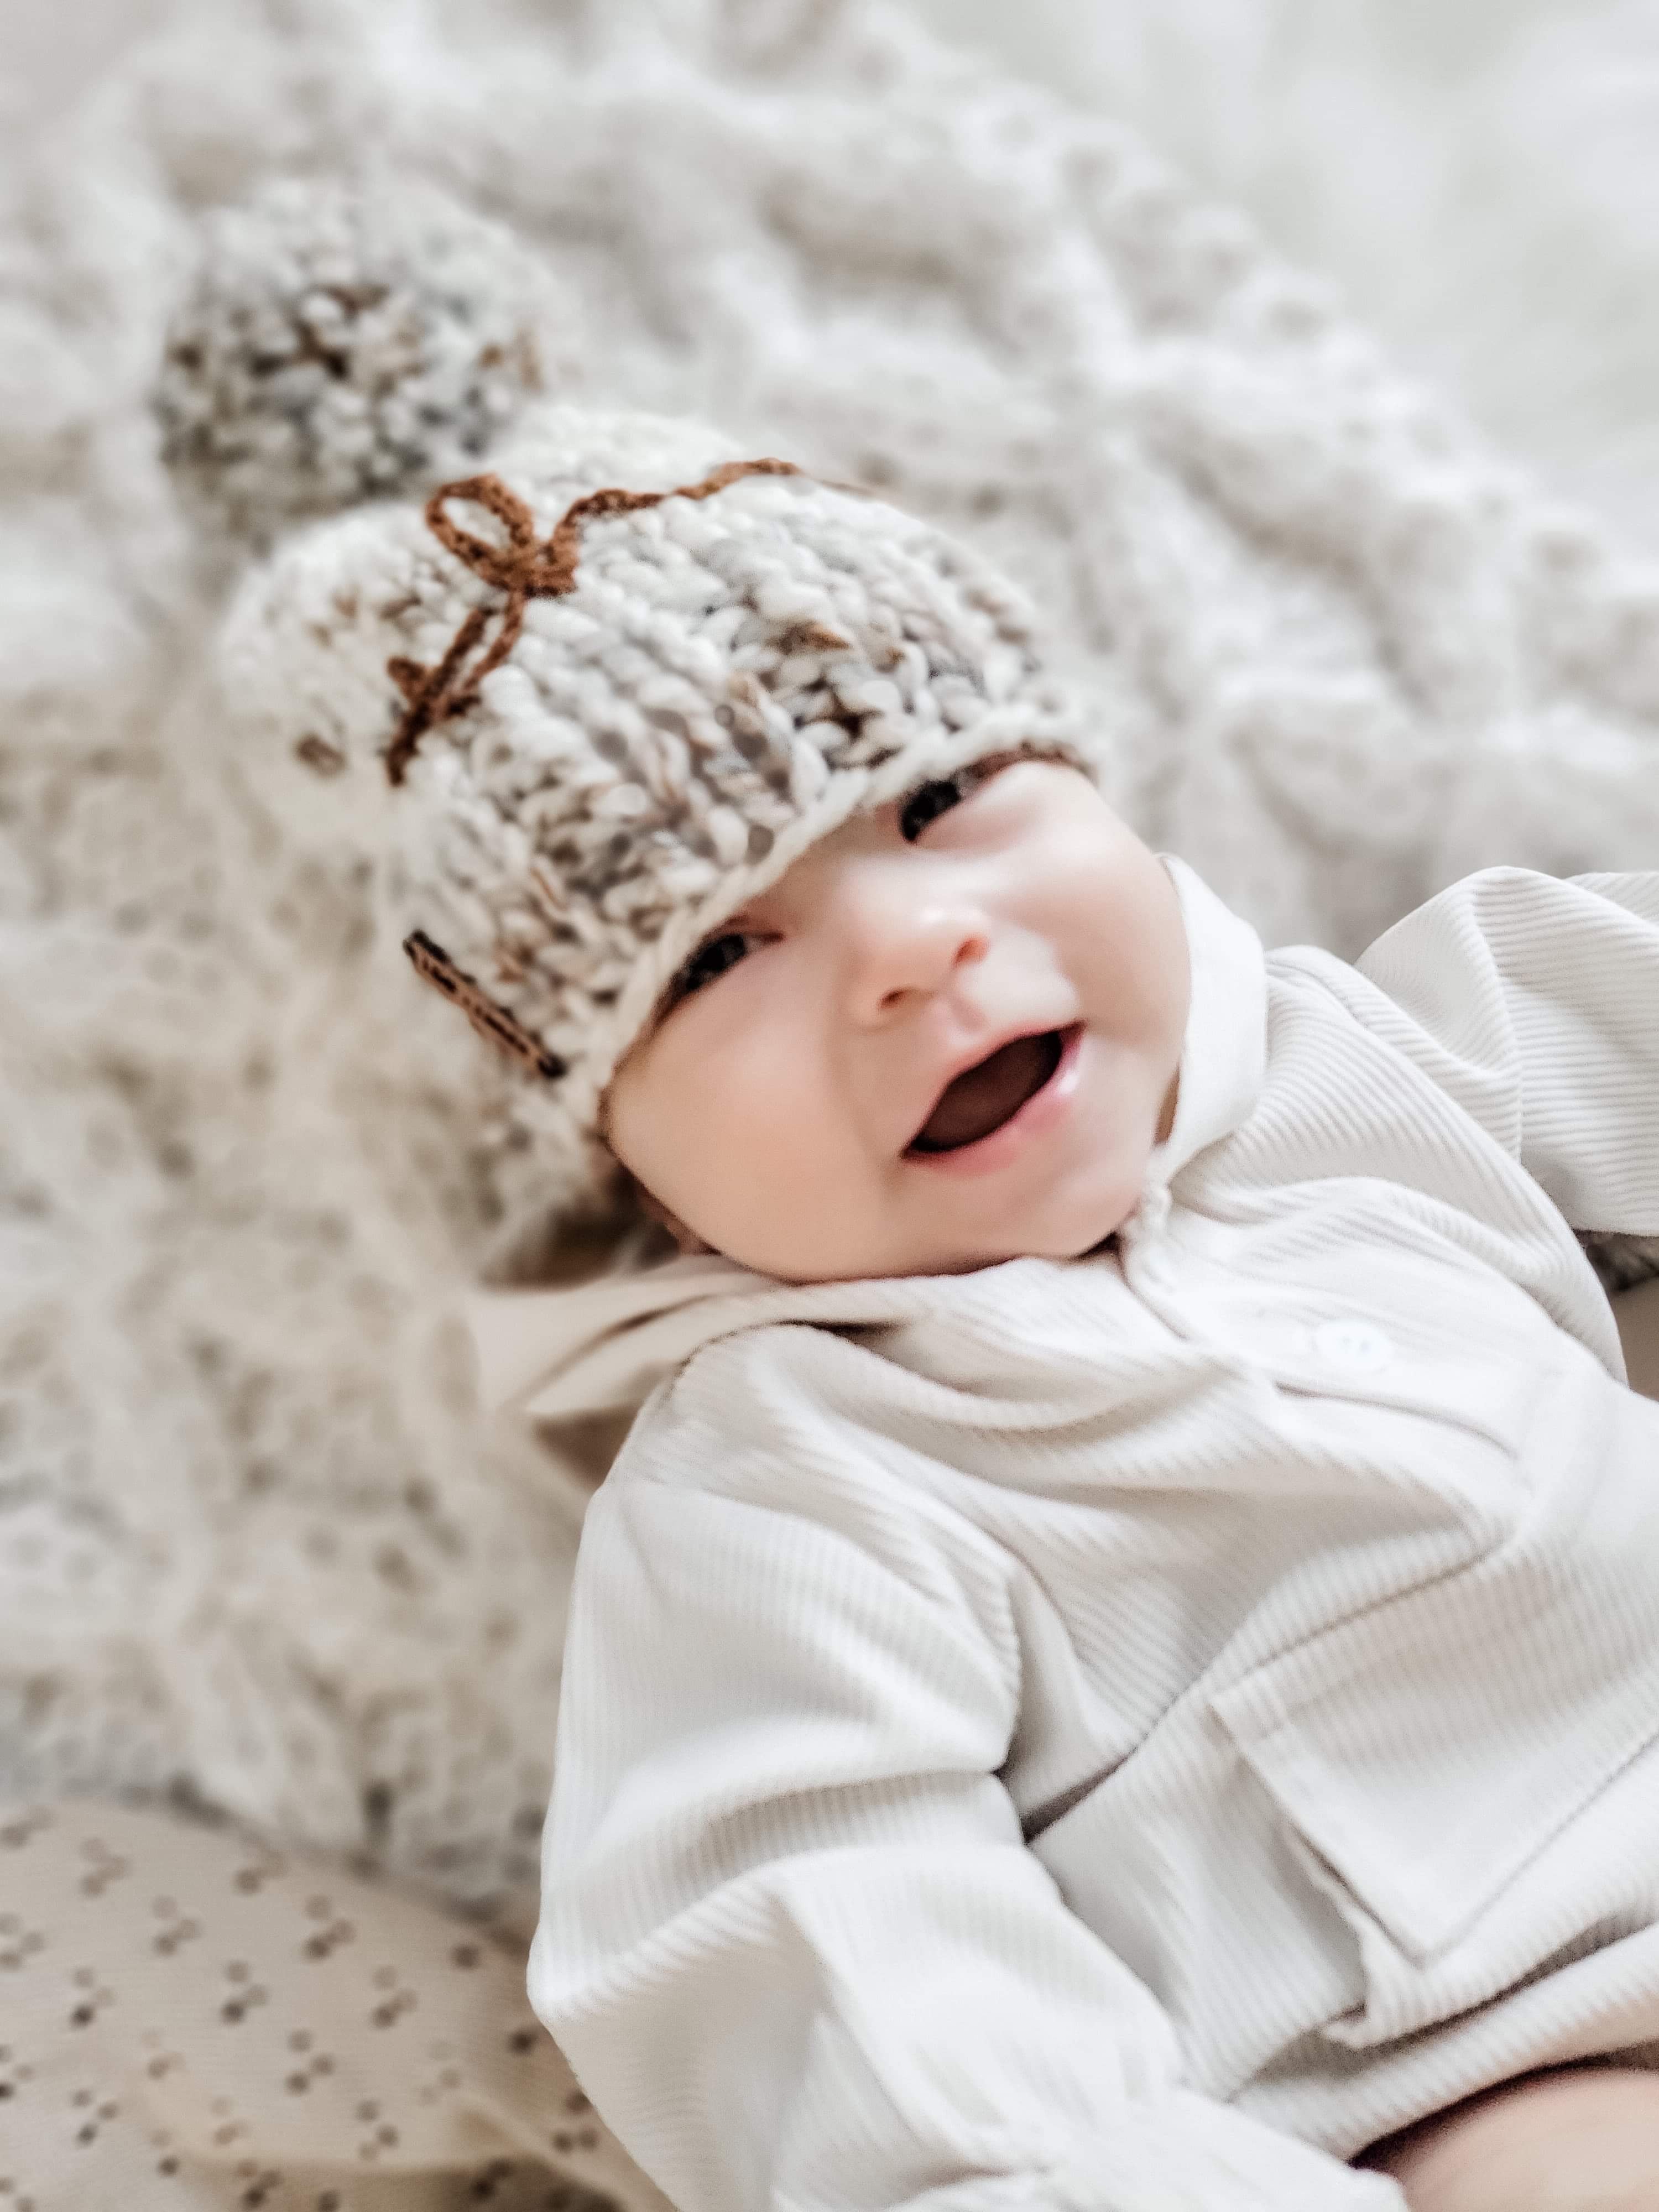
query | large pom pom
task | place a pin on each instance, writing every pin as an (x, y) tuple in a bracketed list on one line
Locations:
[(341, 344)]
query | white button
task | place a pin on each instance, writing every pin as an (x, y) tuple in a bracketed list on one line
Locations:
[(1360, 1348)]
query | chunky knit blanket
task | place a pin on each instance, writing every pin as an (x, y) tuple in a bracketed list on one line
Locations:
[(258, 1548)]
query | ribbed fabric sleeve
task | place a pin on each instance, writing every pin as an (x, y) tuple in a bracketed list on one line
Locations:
[(1534, 1000), (791, 1939)]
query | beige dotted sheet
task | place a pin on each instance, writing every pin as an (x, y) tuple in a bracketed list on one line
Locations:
[(189, 2018)]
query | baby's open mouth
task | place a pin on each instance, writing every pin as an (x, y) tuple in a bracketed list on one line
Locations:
[(982, 1098)]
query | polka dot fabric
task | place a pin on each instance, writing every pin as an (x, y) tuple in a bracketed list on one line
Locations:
[(188, 2018)]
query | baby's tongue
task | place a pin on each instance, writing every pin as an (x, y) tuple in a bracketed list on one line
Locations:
[(983, 1097)]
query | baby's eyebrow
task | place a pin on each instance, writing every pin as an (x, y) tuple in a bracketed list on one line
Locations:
[(745, 918)]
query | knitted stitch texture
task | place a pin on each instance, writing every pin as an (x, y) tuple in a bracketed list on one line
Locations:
[(338, 345), (257, 1546), (700, 690)]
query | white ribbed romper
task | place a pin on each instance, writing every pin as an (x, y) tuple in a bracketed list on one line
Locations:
[(1125, 1734)]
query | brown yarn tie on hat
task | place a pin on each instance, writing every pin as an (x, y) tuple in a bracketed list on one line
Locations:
[(492, 1022), (524, 570)]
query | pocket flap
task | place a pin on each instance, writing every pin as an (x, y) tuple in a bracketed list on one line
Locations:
[(1429, 1748)]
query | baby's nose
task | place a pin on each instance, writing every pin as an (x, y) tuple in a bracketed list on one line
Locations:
[(903, 946)]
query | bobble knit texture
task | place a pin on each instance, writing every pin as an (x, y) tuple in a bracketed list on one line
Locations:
[(338, 345), (731, 677), (256, 1544)]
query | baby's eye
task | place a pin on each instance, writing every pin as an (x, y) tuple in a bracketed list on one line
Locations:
[(711, 959), (927, 802)]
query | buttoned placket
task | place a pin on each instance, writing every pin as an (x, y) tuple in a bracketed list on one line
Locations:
[(1347, 1344), (1150, 1272)]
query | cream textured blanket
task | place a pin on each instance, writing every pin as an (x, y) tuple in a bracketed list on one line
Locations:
[(256, 1547)]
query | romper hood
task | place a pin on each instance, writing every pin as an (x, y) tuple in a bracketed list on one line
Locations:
[(601, 1345)]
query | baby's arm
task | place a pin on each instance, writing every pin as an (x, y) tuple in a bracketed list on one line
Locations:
[(1534, 1000), (1578, 2139), (791, 1939)]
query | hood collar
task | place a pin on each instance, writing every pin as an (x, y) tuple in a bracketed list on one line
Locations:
[(1224, 1049)]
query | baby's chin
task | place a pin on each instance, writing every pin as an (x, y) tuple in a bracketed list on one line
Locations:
[(1074, 1240), (1075, 1218), (1051, 1231), (934, 1227)]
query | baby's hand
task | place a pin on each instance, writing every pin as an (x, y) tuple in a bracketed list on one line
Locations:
[(1578, 2139)]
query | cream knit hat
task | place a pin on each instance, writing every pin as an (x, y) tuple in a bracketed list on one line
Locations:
[(593, 724)]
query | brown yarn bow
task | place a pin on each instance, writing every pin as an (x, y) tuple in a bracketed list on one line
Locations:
[(524, 570)]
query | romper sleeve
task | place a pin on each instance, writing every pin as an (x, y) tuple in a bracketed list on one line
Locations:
[(1534, 1001), (791, 1939)]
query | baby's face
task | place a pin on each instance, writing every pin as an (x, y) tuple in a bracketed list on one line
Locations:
[(948, 1036)]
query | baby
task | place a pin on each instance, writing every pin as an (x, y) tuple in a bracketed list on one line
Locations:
[(1114, 1670)]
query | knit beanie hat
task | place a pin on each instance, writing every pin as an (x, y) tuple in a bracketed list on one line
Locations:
[(595, 697)]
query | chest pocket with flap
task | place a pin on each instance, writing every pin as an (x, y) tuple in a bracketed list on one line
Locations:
[(1428, 1748)]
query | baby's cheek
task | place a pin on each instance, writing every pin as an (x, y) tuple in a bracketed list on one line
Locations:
[(776, 1170)]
